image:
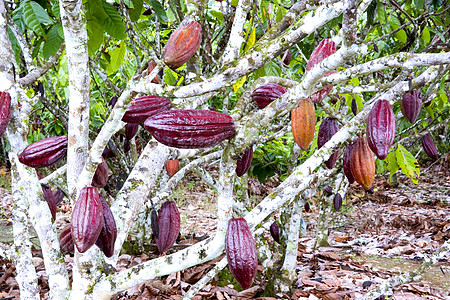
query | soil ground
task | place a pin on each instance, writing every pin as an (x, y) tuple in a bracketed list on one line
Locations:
[(371, 239)]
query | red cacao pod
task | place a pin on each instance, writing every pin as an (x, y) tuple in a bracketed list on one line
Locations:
[(130, 130), (410, 105), (275, 232), (362, 163), (327, 129), (303, 123), (108, 234), (190, 128), (5, 111), (143, 107), (307, 207), (45, 152), (380, 128), (151, 66), (65, 239), (429, 147), (337, 202), (126, 146), (172, 166), (182, 44), (346, 163), (168, 225), (59, 196), (101, 175), (286, 57), (267, 93), (325, 48), (48, 196), (240, 248), (243, 163), (87, 219)]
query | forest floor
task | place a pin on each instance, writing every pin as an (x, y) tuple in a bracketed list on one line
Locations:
[(372, 238)]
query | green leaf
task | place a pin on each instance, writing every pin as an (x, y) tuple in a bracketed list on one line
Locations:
[(251, 40), (419, 4), (113, 23), (371, 12), (41, 14), (14, 44), (95, 35), (408, 164), (217, 14), (55, 9), (136, 11), (272, 69), (53, 42), (381, 11), (170, 77), (426, 35), (117, 56), (31, 19), (240, 82), (392, 165), (160, 11)]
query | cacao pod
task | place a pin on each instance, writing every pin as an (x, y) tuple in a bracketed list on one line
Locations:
[(190, 128), (375, 47), (362, 163), (337, 202), (45, 152), (101, 175), (380, 128), (59, 196), (410, 105), (286, 57), (346, 163), (354, 106), (143, 107), (182, 44), (328, 190), (48, 196), (151, 66), (429, 147), (243, 163), (267, 93), (327, 129), (87, 219), (110, 150), (108, 234), (275, 232), (154, 223), (240, 248), (307, 207), (168, 225), (303, 123), (126, 146), (131, 130), (172, 166), (65, 239), (5, 111), (113, 101), (325, 48)]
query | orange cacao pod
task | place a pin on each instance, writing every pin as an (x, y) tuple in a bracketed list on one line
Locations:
[(87, 219), (240, 248), (168, 226), (303, 123), (380, 128), (107, 238), (362, 163), (172, 166), (45, 152), (151, 66), (5, 111), (182, 44)]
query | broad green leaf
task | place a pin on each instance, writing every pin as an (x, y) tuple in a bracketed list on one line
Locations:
[(53, 42), (95, 35), (129, 3), (280, 14), (41, 14), (55, 9), (237, 85), (419, 4), (234, 2), (408, 164), (381, 11), (217, 14), (14, 44), (251, 40), (272, 69), (170, 77), (113, 24), (160, 11), (31, 19), (401, 35), (95, 10), (354, 81), (371, 12), (426, 35), (392, 165), (261, 72), (136, 11), (117, 56)]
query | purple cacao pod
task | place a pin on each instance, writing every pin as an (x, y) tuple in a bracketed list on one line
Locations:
[(241, 253), (113, 101), (168, 225), (275, 232), (5, 111), (380, 128), (243, 163), (108, 234), (65, 239), (354, 106), (130, 130), (143, 107), (325, 48), (101, 175), (190, 128), (45, 152), (286, 57), (59, 196), (346, 163), (337, 202), (327, 129), (267, 93), (328, 190), (87, 219), (429, 147), (154, 223), (126, 146), (48, 196), (307, 207), (410, 105)]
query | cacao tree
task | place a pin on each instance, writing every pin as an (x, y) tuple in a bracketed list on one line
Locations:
[(205, 81)]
